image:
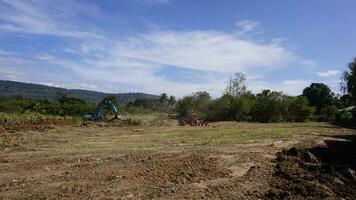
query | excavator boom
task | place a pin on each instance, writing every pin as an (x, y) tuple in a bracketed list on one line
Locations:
[(97, 116)]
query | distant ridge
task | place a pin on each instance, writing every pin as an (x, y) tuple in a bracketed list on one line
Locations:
[(37, 91)]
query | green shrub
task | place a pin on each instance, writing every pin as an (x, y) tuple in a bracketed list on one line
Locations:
[(299, 109), (343, 118)]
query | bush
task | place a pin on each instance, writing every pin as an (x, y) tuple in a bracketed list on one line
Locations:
[(269, 107), (343, 118), (328, 114), (221, 109), (299, 109), (198, 103)]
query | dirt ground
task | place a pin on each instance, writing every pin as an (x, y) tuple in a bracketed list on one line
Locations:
[(222, 161)]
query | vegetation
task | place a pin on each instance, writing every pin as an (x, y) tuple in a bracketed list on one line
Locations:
[(317, 102), (349, 87), (319, 95), (36, 91), (64, 106)]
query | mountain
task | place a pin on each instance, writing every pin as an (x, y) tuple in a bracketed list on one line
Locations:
[(37, 91)]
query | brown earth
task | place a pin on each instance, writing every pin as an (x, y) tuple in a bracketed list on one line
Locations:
[(157, 163), (11, 132), (316, 173), (38, 125)]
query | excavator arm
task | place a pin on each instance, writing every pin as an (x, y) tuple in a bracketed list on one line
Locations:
[(98, 115)]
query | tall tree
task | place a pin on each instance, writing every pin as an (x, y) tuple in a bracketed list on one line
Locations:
[(349, 78), (236, 85), (319, 95), (172, 100), (163, 99)]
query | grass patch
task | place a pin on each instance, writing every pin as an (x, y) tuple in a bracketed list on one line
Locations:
[(166, 137)]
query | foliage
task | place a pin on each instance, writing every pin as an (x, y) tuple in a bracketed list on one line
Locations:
[(319, 95), (145, 105), (328, 114), (26, 117), (299, 109), (343, 118), (230, 107), (266, 106), (36, 91), (198, 103), (349, 78), (346, 100), (66, 106), (269, 107), (236, 85)]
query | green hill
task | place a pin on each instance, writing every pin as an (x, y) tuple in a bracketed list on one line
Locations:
[(37, 91)]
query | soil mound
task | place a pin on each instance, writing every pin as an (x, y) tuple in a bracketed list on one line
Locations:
[(35, 125), (318, 173), (11, 132), (178, 169), (115, 123)]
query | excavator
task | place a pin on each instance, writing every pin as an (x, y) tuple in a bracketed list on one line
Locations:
[(98, 116)]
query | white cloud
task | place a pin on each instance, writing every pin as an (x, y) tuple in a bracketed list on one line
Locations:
[(7, 53), (329, 73), (203, 50), (135, 61), (73, 85), (154, 1), (44, 17), (290, 87), (248, 26), (45, 57), (9, 74)]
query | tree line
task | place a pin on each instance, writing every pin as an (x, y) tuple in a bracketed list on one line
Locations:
[(316, 103)]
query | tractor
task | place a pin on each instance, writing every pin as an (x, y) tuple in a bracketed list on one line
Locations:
[(192, 120)]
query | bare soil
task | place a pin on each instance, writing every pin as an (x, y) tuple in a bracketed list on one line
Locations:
[(316, 173), (72, 163), (12, 132)]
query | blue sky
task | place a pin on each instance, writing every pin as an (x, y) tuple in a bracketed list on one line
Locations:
[(176, 46)]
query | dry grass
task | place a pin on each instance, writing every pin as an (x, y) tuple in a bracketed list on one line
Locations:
[(173, 136)]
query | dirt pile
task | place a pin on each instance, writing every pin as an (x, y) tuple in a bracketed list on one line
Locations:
[(35, 125), (177, 169), (116, 123), (11, 132), (137, 175), (318, 173)]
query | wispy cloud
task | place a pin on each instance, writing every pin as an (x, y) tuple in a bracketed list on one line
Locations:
[(329, 73), (45, 57), (203, 50), (41, 17), (248, 26), (7, 53), (136, 61), (150, 2), (291, 87), (10, 74)]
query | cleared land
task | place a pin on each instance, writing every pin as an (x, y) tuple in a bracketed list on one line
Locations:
[(159, 160)]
